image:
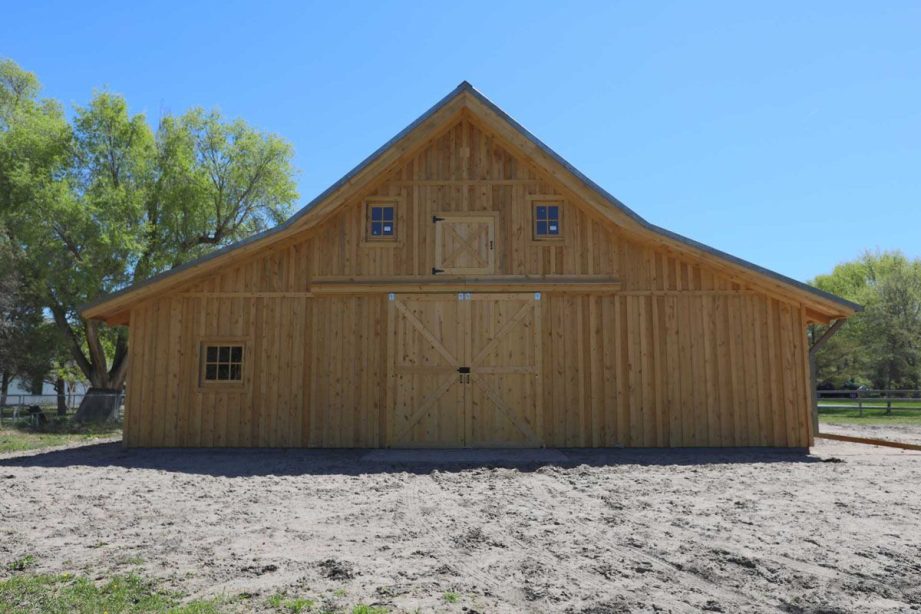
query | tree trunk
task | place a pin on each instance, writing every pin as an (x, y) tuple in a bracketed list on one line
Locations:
[(98, 405), (60, 389), (95, 366), (4, 387)]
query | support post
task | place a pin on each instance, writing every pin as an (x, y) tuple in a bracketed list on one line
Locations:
[(816, 346)]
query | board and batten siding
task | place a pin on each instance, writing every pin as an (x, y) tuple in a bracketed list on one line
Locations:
[(682, 355), (639, 369)]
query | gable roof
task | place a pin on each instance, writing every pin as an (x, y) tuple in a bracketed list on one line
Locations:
[(465, 98)]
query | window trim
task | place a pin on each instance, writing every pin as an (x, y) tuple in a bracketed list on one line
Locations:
[(210, 385), (547, 199), (394, 240)]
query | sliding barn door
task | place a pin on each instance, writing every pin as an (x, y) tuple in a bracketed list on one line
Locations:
[(503, 398), (427, 348), (464, 371)]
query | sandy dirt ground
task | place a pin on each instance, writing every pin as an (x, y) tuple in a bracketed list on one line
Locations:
[(838, 530)]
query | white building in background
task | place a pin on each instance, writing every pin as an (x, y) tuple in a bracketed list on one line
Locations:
[(20, 392)]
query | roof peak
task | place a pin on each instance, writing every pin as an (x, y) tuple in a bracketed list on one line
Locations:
[(490, 107)]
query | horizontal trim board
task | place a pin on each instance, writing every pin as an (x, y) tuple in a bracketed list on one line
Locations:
[(466, 182), (499, 283), (245, 294), (688, 293), (550, 287)]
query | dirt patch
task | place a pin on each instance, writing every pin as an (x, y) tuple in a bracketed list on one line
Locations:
[(337, 570), (608, 531), (474, 538)]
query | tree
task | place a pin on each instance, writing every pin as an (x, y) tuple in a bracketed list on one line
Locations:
[(104, 200), (28, 342), (894, 327), (9, 299), (880, 347)]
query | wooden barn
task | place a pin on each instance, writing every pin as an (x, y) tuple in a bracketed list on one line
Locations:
[(465, 286)]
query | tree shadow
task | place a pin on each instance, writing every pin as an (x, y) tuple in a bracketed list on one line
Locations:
[(248, 462)]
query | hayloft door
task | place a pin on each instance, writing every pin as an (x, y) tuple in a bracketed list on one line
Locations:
[(465, 243)]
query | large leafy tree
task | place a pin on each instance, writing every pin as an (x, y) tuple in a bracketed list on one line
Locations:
[(103, 200), (880, 347), (29, 344)]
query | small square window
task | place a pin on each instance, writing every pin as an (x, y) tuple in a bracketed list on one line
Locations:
[(382, 222), (547, 221), (222, 363)]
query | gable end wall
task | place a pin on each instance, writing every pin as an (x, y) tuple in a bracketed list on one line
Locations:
[(680, 356)]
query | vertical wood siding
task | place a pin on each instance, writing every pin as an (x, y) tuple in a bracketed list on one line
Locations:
[(677, 369), (681, 356)]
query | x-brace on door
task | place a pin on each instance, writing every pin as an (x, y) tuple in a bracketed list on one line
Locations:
[(465, 370)]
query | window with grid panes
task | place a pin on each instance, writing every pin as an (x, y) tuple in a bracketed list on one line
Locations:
[(222, 363)]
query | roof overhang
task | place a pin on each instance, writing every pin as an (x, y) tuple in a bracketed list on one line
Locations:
[(466, 100)]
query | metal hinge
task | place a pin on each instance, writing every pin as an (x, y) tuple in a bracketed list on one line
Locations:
[(436, 219), (437, 271)]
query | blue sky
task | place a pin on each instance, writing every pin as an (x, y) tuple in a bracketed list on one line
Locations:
[(786, 133)]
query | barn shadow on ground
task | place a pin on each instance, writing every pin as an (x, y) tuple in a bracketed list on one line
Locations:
[(243, 462)]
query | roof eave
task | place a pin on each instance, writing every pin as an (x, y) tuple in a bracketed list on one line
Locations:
[(118, 300)]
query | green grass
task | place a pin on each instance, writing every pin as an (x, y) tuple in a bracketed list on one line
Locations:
[(902, 414), (21, 564), (361, 608), (63, 594), (451, 597), (22, 436), (294, 605)]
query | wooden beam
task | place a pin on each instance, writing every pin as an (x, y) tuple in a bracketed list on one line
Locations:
[(245, 294), (825, 337), (499, 283), (872, 442)]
